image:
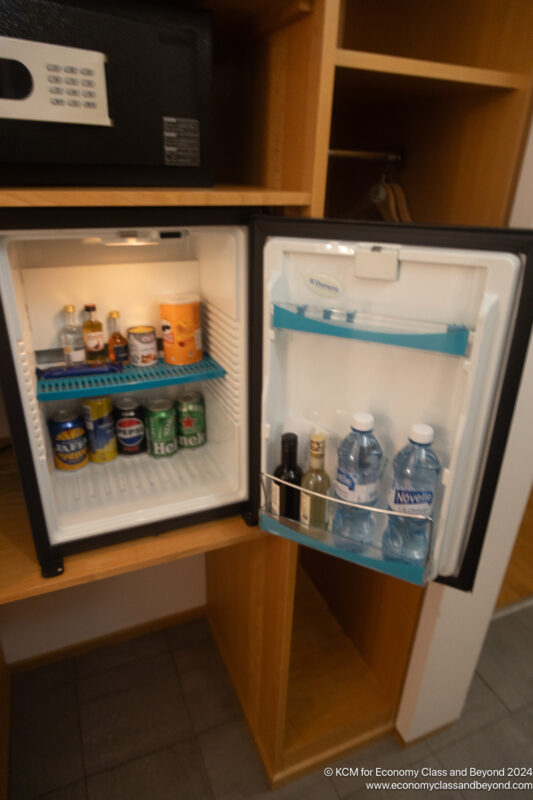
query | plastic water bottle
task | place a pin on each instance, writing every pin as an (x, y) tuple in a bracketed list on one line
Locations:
[(416, 470), (358, 472)]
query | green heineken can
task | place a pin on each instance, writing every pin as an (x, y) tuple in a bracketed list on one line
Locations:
[(191, 419), (161, 429)]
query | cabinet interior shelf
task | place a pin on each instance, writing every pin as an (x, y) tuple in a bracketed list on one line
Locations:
[(130, 379), (428, 75), (334, 701), (450, 339)]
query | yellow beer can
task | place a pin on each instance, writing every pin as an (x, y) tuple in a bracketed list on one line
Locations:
[(98, 416)]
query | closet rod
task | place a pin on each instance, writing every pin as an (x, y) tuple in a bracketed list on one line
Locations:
[(366, 155)]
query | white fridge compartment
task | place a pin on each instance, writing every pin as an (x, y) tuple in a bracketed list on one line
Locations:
[(140, 489), (42, 271), (371, 553), (421, 343)]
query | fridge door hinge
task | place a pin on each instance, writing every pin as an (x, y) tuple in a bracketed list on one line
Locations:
[(52, 567), (251, 518), (377, 263)]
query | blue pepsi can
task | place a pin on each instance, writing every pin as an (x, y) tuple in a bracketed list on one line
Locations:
[(69, 440), (129, 426)]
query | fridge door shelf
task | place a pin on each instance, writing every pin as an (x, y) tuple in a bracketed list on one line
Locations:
[(440, 338), (370, 554), (130, 379)]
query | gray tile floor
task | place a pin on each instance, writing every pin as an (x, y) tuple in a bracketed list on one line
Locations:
[(156, 718)]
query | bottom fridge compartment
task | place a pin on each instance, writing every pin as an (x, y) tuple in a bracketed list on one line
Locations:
[(139, 489)]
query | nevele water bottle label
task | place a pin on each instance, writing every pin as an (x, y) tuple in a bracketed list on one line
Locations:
[(411, 501), (347, 489)]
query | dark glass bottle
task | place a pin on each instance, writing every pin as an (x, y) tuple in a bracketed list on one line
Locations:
[(286, 501)]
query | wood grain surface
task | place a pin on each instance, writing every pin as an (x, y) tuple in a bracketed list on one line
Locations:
[(104, 197)]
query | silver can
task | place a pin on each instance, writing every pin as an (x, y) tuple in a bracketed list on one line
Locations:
[(142, 346)]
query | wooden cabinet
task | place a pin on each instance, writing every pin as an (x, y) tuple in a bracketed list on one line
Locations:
[(447, 85)]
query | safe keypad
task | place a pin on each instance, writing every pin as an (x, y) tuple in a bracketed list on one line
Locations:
[(63, 76)]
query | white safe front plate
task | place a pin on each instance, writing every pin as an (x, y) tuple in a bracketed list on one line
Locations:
[(69, 84)]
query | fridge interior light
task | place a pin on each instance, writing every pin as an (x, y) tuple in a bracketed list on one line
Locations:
[(124, 238)]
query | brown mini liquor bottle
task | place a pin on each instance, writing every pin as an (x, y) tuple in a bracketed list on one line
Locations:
[(93, 337), (117, 345)]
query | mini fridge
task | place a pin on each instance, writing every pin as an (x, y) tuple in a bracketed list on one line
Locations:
[(304, 322)]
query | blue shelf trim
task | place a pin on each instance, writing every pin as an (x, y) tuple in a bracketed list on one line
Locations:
[(453, 342), (406, 572), (130, 379)]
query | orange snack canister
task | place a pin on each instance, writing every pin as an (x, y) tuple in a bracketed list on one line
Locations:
[(181, 329)]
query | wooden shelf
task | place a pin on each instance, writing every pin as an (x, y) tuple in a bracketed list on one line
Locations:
[(333, 703), (20, 574), (428, 76), (167, 196)]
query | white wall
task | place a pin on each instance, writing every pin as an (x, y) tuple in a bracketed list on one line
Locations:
[(52, 621)]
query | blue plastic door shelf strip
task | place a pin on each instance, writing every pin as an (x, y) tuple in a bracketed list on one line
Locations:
[(453, 341)]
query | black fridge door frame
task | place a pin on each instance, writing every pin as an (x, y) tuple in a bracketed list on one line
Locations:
[(51, 556), (491, 239)]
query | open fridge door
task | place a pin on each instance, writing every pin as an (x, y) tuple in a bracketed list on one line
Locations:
[(413, 326)]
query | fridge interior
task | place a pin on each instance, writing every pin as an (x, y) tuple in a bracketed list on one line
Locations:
[(131, 271), (410, 334)]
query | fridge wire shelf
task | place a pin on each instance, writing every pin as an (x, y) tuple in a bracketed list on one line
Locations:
[(131, 378), (346, 324), (367, 555)]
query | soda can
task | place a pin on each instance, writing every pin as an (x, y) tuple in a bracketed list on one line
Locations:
[(129, 426), (191, 419), (69, 440), (98, 416), (161, 429), (142, 346)]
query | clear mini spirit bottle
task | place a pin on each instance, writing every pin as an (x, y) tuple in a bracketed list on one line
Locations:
[(93, 336), (117, 346), (313, 509), (71, 338), (286, 501)]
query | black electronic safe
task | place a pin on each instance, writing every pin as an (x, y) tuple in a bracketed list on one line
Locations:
[(104, 93)]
